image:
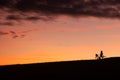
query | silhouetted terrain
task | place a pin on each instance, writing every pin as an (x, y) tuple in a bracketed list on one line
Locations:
[(109, 67)]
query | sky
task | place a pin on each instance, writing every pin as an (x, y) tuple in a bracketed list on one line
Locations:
[(33, 31)]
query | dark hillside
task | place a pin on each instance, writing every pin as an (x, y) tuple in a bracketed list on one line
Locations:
[(109, 67)]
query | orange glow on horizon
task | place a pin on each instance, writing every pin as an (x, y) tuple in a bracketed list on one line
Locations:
[(65, 39)]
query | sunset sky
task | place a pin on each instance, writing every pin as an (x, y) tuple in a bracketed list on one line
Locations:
[(58, 30)]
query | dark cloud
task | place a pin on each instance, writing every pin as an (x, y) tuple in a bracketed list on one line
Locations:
[(3, 33), (7, 23), (13, 17), (15, 36), (29, 18), (22, 36), (34, 18), (13, 32), (4, 3), (46, 8)]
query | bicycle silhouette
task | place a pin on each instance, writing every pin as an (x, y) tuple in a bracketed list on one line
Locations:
[(99, 56)]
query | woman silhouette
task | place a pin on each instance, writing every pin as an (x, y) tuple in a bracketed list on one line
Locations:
[(101, 55)]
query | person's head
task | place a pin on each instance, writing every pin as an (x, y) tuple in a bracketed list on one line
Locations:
[(101, 52)]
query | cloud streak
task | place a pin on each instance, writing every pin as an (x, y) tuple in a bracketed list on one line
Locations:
[(12, 34), (44, 8), (7, 23), (3, 33)]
